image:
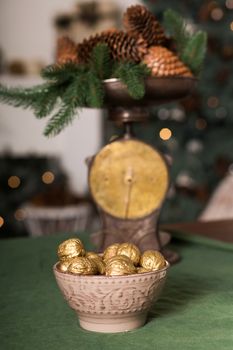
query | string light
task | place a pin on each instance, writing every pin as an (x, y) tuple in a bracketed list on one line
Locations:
[(1, 221), (165, 134), (213, 102), (20, 214), (200, 124), (14, 181), (229, 4), (216, 14), (48, 177)]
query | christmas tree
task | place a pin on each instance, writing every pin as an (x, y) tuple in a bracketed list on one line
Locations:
[(197, 132)]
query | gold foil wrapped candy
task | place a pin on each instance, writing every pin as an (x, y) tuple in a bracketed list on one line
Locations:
[(98, 261), (152, 260), (63, 265), (142, 270), (83, 266), (117, 260), (131, 251), (111, 251), (92, 255), (70, 248), (119, 265)]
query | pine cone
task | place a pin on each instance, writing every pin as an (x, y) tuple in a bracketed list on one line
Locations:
[(138, 20), (164, 63), (66, 51), (123, 46)]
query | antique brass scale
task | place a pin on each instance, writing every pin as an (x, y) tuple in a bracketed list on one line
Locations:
[(129, 179)]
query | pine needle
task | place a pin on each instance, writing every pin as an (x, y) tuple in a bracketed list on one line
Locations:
[(70, 87), (60, 120), (191, 49), (47, 103), (95, 95), (194, 53), (176, 27), (73, 97), (100, 61), (132, 75), (61, 73), (25, 98)]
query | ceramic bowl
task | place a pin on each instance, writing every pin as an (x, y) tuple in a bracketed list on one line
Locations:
[(111, 304)]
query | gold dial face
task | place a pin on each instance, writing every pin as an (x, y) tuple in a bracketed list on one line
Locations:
[(128, 179)]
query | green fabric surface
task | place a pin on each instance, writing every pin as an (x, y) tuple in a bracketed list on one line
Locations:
[(195, 310), (202, 240)]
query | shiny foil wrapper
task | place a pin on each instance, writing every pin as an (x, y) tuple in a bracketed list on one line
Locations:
[(152, 260), (142, 270), (92, 255), (70, 249), (119, 265), (100, 265), (63, 265), (111, 251), (83, 266), (98, 261), (131, 251)]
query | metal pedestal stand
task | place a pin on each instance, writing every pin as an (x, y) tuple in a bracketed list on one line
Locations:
[(124, 111)]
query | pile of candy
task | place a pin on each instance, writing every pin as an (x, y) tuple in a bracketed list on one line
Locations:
[(118, 259)]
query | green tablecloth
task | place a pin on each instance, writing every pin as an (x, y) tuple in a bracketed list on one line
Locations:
[(195, 310)]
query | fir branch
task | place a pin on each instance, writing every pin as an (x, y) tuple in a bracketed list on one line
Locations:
[(194, 52), (62, 73), (175, 25), (95, 92), (60, 120), (191, 49), (100, 61), (73, 97), (132, 75), (47, 102), (75, 87), (25, 98)]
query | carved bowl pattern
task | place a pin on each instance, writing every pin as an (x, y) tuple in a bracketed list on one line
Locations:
[(111, 304)]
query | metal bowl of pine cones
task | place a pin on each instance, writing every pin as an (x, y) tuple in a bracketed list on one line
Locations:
[(158, 90)]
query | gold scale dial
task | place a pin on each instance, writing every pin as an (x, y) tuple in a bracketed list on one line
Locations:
[(128, 179)]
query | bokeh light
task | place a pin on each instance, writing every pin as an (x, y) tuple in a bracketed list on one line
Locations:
[(221, 112), (14, 181), (201, 124), (48, 177), (229, 4), (165, 134), (1, 221), (20, 214), (213, 102), (217, 14)]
